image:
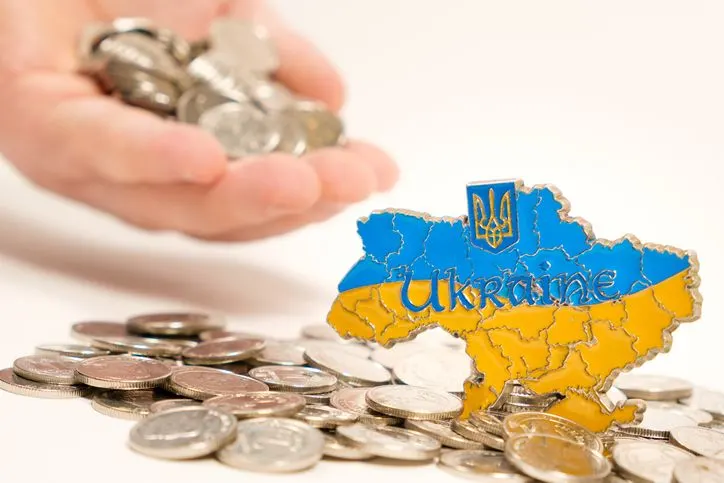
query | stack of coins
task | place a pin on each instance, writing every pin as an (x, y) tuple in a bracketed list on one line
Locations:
[(225, 84), (192, 387)]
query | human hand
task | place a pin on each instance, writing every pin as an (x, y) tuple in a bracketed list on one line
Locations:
[(63, 134)]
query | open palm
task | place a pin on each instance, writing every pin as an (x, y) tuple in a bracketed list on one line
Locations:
[(59, 131)]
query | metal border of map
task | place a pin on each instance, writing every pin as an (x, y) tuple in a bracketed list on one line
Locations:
[(535, 296)]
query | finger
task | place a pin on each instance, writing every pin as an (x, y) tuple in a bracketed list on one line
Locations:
[(345, 176), (70, 130), (385, 169), (253, 191)]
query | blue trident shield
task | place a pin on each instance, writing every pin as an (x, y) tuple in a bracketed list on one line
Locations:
[(493, 215)]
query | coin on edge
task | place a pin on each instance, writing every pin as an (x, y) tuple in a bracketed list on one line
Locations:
[(166, 404), (204, 383), (414, 402), (389, 442), (222, 351), (467, 429), (325, 417), (11, 382), (75, 351), (47, 369), (259, 404), (487, 465), (295, 379), (353, 400), (122, 372), (132, 405)]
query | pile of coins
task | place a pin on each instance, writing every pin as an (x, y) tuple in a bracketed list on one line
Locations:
[(225, 84), (194, 388)]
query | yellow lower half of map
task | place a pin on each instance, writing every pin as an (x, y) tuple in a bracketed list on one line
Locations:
[(575, 351)]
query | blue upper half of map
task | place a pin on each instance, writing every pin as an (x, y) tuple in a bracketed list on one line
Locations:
[(400, 246)]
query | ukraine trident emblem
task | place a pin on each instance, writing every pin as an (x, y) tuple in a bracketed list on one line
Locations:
[(493, 215)]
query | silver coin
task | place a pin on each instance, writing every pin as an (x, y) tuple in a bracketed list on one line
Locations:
[(11, 382), (204, 383), (554, 459), (442, 431), (699, 470), (322, 332), (166, 404), (395, 354), (293, 135), (322, 398), (389, 442), (544, 423), (122, 372), (223, 351), (487, 422), (183, 433), (442, 369), (647, 461), (142, 52), (295, 379), (467, 429), (140, 346), (271, 96), (616, 395), (335, 448), (707, 400), (259, 404), (70, 350), (653, 387), (280, 354), (142, 89), (347, 367), (482, 465), (197, 100), (414, 402), (273, 445), (242, 130), (220, 72), (173, 323), (701, 441), (226, 334), (248, 41), (698, 415), (355, 349), (323, 127), (326, 417), (657, 423), (47, 369), (87, 331), (131, 405), (353, 400)]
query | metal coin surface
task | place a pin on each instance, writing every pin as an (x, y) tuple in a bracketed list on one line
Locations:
[(204, 383), (176, 324), (657, 423), (699, 470), (87, 331), (397, 353), (707, 400), (414, 402), (241, 129), (323, 127), (354, 400), (322, 332), (335, 448), (481, 464), (142, 89), (70, 350), (442, 369), (166, 404), (273, 445), (322, 398), (647, 461), (295, 379), (555, 459), (248, 41), (122, 372), (140, 346), (47, 369), (326, 417), (220, 72), (280, 354), (442, 431), (142, 52), (487, 422), (348, 367), (358, 350), (132, 405), (226, 334), (389, 442), (293, 135), (467, 429), (653, 387), (11, 382), (698, 415), (533, 422), (259, 404), (183, 433), (701, 441), (223, 351)]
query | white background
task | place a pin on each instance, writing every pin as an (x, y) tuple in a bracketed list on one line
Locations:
[(620, 104)]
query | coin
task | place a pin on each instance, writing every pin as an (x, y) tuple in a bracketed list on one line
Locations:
[(273, 445), (47, 369), (259, 404), (11, 382), (122, 372), (295, 379), (138, 346), (442, 369), (647, 461), (293, 135), (223, 351), (197, 100), (347, 367), (657, 423), (87, 331), (175, 324), (322, 332), (241, 129), (132, 405), (487, 422), (442, 431), (414, 402), (183, 433), (280, 354), (699, 470), (397, 353), (137, 87), (701, 441), (246, 40), (226, 334), (556, 459), (467, 429), (323, 127), (389, 442), (533, 422), (698, 415), (204, 383), (322, 398), (272, 97), (707, 400), (166, 404), (219, 71), (335, 448), (70, 350), (653, 387), (482, 465), (319, 416), (354, 401), (355, 349)]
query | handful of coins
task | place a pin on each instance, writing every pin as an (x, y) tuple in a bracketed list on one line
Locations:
[(194, 388), (224, 84)]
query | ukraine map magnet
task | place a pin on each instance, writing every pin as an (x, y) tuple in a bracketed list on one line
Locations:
[(535, 296)]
